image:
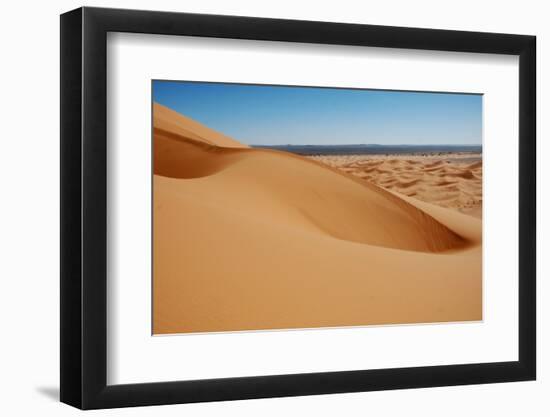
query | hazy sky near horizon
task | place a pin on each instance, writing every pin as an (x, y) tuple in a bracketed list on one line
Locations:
[(273, 115)]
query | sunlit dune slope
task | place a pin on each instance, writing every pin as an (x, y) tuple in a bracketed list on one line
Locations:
[(170, 121), (257, 239)]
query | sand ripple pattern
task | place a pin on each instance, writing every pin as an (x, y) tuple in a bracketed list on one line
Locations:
[(448, 180)]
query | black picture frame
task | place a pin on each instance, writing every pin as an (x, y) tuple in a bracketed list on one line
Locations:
[(84, 208)]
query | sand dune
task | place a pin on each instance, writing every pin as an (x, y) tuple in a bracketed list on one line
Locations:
[(168, 120), (258, 239), (452, 181)]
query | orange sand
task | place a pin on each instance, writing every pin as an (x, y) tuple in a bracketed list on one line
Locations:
[(449, 180), (249, 239)]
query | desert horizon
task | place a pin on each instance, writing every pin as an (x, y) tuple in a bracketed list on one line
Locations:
[(256, 238)]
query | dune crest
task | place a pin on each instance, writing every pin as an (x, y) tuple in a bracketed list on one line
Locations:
[(171, 121), (296, 192)]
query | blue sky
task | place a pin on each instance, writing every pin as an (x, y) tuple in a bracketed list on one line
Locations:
[(274, 115)]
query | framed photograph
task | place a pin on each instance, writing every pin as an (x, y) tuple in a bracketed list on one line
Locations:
[(259, 208)]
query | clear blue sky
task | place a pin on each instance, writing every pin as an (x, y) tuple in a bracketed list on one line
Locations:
[(273, 115)]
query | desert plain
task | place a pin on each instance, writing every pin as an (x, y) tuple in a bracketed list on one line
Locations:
[(258, 239)]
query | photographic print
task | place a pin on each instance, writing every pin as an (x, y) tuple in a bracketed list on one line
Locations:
[(297, 207)]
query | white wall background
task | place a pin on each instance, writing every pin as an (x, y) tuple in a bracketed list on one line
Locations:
[(29, 209)]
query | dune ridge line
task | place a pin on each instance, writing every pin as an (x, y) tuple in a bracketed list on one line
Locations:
[(184, 157)]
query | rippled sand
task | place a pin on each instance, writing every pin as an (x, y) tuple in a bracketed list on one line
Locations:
[(452, 180)]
